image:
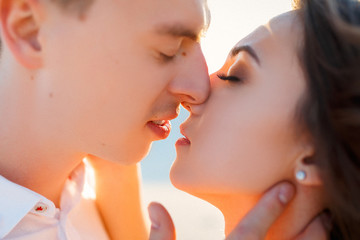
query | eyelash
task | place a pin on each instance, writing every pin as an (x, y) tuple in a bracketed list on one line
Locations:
[(229, 78)]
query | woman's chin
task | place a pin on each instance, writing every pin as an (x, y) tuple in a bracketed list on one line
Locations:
[(183, 181), (179, 178), (187, 182)]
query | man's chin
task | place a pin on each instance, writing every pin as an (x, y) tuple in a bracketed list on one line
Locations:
[(131, 157)]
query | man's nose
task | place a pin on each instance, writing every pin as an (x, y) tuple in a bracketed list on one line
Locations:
[(197, 109), (191, 84)]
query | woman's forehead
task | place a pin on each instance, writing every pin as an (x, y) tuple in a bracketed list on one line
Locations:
[(282, 33)]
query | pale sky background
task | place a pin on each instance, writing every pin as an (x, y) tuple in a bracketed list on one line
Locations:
[(195, 219)]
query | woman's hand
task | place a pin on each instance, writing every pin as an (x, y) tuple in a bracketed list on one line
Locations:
[(162, 226), (268, 209)]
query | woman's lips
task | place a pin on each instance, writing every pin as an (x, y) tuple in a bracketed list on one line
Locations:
[(183, 142), (161, 128)]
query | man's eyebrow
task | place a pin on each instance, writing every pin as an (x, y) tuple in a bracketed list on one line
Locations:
[(177, 30), (245, 48)]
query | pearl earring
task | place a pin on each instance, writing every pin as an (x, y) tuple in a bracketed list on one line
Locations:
[(301, 175)]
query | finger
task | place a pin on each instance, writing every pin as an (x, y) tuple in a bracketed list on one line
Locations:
[(256, 223), (316, 229), (162, 226)]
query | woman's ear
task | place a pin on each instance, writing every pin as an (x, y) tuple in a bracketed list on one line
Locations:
[(20, 23), (307, 172)]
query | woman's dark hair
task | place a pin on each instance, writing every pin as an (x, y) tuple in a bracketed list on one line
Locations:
[(330, 110)]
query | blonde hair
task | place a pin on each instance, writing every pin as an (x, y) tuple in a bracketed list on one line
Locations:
[(76, 6)]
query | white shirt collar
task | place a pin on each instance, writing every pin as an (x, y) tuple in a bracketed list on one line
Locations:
[(17, 201)]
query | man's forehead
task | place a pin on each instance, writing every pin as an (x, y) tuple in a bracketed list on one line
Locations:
[(187, 24), (169, 16)]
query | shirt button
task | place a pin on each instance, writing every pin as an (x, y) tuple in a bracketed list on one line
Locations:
[(40, 207)]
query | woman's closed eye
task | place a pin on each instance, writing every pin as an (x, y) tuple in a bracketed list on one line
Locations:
[(229, 78)]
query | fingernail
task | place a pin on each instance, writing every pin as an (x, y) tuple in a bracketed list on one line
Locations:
[(286, 193), (154, 221)]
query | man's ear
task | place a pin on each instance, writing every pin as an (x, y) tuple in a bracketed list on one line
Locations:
[(20, 23), (306, 171)]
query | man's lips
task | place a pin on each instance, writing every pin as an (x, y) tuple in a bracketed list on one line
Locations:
[(161, 129)]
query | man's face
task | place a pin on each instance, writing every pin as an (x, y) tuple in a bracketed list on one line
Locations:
[(125, 64)]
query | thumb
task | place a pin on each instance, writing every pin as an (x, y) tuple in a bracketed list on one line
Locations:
[(257, 222), (162, 226)]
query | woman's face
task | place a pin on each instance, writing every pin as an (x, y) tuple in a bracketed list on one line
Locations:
[(243, 138)]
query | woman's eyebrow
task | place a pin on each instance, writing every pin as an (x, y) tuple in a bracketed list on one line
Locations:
[(245, 48)]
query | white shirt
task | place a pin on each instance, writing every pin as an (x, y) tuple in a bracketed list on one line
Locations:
[(27, 215)]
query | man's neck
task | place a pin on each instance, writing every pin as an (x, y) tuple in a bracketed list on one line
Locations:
[(32, 154), (42, 174)]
